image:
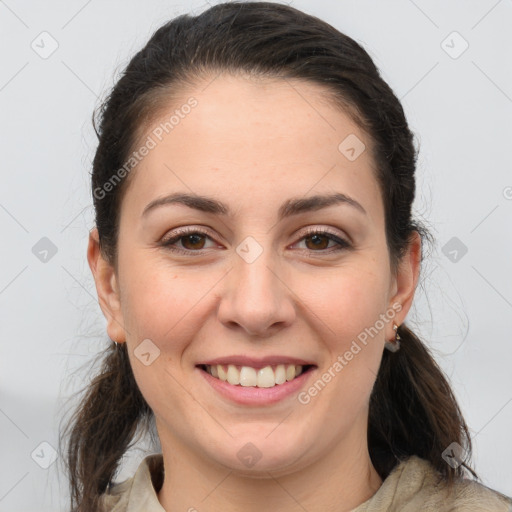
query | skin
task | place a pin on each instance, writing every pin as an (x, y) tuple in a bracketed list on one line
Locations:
[(252, 145)]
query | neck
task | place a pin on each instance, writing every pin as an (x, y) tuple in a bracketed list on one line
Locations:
[(338, 481)]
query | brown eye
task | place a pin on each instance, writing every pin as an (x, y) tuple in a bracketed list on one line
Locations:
[(193, 242), (319, 241)]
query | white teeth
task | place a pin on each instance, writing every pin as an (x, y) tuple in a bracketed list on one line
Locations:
[(247, 376), (280, 374), (266, 378), (233, 375), (222, 373)]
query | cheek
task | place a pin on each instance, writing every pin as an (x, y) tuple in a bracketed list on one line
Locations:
[(349, 309), (158, 299), (346, 301)]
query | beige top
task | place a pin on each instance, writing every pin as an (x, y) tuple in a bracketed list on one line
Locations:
[(412, 486)]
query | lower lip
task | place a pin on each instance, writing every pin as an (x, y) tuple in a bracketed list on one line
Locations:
[(249, 395)]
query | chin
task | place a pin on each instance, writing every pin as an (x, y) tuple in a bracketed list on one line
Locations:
[(257, 455)]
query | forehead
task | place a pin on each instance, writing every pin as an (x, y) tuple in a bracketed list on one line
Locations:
[(246, 139)]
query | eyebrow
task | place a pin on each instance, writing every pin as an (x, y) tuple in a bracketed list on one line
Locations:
[(293, 206)]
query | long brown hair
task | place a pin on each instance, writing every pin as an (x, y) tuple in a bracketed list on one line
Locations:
[(412, 408)]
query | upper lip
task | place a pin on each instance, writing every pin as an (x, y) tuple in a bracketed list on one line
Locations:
[(256, 362)]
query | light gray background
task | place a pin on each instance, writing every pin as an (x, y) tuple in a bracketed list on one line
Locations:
[(460, 108)]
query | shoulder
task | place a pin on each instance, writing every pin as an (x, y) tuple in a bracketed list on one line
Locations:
[(414, 484), (433, 494), (116, 497), (138, 493), (473, 496)]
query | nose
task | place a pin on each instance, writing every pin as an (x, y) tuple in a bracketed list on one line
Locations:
[(256, 297)]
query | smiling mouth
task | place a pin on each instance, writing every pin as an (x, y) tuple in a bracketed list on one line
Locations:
[(246, 376)]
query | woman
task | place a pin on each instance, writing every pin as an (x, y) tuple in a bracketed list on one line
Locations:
[(255, 258)]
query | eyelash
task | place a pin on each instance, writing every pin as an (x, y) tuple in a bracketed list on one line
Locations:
[(342, 244)]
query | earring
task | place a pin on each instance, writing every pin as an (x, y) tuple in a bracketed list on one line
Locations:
[(394, 345)]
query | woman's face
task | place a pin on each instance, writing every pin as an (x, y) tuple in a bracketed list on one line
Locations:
[(256, 287)]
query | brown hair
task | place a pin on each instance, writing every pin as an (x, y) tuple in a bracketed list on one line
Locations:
[(412, 409)]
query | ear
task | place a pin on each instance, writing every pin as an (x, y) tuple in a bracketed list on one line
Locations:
[(107, 288), (405, 281)]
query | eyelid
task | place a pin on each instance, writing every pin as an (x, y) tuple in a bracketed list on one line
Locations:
[(311, 230), (178, 233), (343, 242), (188, 229)]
